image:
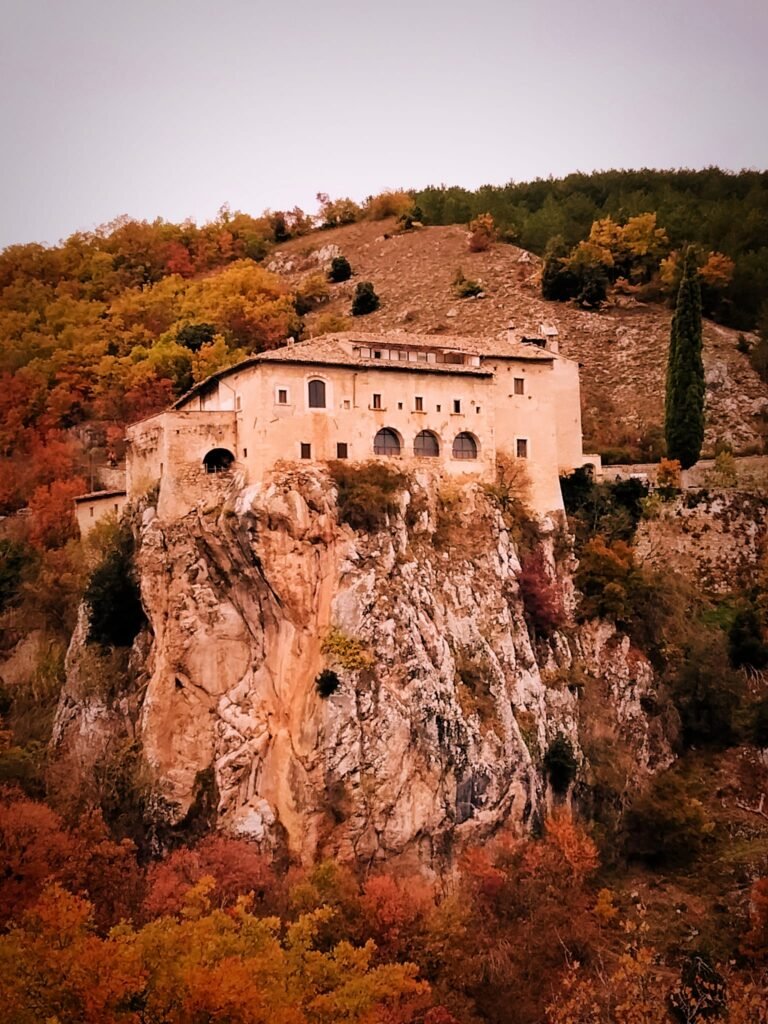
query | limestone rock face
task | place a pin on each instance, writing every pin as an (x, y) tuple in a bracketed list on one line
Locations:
[(444, 708)]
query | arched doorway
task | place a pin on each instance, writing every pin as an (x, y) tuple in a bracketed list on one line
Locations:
[(218, 460)]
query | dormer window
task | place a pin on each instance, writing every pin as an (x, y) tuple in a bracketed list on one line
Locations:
[(317, 394)]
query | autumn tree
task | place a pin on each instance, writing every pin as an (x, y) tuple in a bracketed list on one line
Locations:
[(685, 392)]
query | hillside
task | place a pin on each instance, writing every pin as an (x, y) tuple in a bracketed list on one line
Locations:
[(623, 349)]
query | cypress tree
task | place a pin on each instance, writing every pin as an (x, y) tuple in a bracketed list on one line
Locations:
[(684, 407)]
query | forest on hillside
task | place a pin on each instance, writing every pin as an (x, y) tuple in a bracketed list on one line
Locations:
[(720, 211)]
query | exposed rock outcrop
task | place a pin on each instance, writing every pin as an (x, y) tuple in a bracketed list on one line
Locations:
[(444, 707)]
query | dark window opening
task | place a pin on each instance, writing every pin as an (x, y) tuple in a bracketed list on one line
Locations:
[(218, 460), (399, 405), (342, 450), (457, 405), (377, 355), (245, 453), (306, 450), (376, 402), (438, 407), (521, 448), (282, 395), (464, 447), (426, 445), (386, 442), (317, 394), (519, 385), (419, 403)]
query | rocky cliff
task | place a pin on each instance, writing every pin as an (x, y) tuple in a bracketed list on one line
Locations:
[(362, 695)]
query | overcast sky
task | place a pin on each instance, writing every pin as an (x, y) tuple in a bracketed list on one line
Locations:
[(172, 108)]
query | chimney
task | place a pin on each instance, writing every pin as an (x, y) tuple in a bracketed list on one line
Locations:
[(549, 333)]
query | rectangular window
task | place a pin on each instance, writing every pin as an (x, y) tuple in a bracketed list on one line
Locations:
[(282, 396), (457, 405), (438, 407), (377, 354), (306, 450), (91, 510), (399, 405), (346, 403), (342, 450), (245, 453), (403, 355), (419, 403), (521, 447), (376, 402), (477, 408), (519, 385)]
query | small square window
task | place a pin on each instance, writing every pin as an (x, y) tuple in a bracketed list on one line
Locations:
[(377, 354), (342, 450), (419, 403), (282, 396), (519, 385), (306, 450), (521, 448), (457, 405), (376, 402), (346, 403), (403, 355)]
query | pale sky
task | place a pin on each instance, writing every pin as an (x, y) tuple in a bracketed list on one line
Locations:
[(172, 108)]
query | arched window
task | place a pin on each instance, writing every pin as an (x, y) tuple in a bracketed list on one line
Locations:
[(426, 445), (386, 442), (218, 460), (464, 446), (317, 394)]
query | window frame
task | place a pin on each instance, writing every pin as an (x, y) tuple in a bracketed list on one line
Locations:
[(468, 435), (317, 380)]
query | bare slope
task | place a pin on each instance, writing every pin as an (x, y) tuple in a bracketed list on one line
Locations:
[(623, 349)]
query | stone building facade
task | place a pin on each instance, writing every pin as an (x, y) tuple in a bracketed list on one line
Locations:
[(445, 403)]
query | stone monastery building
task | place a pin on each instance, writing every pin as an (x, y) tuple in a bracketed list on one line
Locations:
[(419, 400), (434, 402)]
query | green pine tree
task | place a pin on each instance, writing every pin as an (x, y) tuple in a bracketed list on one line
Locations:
[(684, 408)]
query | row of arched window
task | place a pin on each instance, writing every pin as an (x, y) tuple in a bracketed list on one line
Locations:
[(426, 444)]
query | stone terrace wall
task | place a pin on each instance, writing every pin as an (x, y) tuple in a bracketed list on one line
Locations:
[(751, 473)]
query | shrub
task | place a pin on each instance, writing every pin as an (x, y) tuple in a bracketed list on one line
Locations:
[(560, 763), (558, 281), (340, 270), (541, 595), (310, 293), (746, 645), (112, 596), (366, 493), (326, 683), (482, 233), (758, 731), (365, 299), (464, 287), (668, 474), (707, 692), (473, 690), (14, 557), (665, 825), (346, 651), (330, 323), (390, 204), (742, 345), (194, 336)]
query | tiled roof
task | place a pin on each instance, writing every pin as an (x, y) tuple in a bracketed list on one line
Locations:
[(335, 350)]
